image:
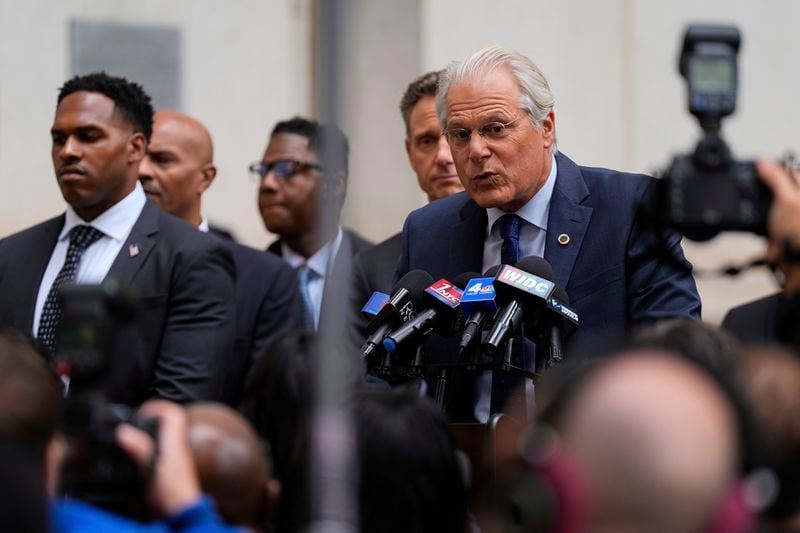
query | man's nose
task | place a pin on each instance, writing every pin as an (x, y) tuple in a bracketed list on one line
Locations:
[(444, 156), (478, 147), (145, 169), (71, 149), (269, 182)]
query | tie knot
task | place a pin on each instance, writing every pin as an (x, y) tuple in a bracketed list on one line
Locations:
[(84, 236), (509, 226), (305, 273)]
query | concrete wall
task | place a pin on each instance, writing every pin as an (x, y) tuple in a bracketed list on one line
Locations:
[(246, 65)]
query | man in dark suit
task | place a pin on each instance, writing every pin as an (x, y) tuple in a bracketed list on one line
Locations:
[(521, 199), (177, 170), (184, 324), (430, 159), (301, 202)]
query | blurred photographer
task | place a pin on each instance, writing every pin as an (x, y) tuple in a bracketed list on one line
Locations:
[(771, 319), (31, 417)]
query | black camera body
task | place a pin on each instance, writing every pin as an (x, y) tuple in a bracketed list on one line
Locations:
[(95, 468), (708, 191)]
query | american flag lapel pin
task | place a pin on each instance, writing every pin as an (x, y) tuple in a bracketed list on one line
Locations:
[(133, 250)]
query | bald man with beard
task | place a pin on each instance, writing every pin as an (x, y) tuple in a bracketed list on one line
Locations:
[(233, 465), (655, 441), (177, 170)]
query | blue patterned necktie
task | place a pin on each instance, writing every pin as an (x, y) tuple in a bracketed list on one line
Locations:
[(80, 238), (509, 231), (503, 383), (304, 276)]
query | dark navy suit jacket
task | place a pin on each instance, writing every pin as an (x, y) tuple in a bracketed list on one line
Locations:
[(617, 270), (267, 301), (183, 331)]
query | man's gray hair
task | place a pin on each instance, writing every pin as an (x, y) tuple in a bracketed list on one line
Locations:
[(536, 98)]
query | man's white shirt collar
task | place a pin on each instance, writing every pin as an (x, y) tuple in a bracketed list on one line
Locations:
[(318, 263), (115, 222)]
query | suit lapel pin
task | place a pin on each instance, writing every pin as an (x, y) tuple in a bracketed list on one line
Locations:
[(133, 250), (563, 239)]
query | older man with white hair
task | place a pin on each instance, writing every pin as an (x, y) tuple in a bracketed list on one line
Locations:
[(525, 198)]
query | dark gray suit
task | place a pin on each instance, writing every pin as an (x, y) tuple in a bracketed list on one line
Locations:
[(267, 301), (373, 270), (352, 244), (183, 333), (337, 294)]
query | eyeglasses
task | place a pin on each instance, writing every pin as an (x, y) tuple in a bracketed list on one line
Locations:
[(458, 138), (283, 168)]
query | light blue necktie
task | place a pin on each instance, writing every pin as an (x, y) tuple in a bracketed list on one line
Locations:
[(304, 276)]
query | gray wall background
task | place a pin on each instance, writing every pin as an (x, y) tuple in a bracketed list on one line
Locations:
[(245, 64)]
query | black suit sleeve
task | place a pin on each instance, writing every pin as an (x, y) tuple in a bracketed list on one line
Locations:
[(279, 311), (199, 332)]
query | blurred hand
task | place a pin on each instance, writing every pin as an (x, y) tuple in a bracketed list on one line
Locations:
[(174, 485), (784, 217)]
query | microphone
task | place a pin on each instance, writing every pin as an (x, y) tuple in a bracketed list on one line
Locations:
[(478, 305), (441, 313), (406, 297), (520, 289), (553, 324), (374, 304)]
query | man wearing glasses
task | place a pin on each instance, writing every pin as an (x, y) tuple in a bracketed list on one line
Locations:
[(301, 202), (177, 170), (524, 198)]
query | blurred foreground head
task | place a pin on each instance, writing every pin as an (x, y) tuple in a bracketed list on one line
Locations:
[(643, 440), (232, 465), (410, 480), (277, 400), (657, 442), (770, 379), (30, 452)]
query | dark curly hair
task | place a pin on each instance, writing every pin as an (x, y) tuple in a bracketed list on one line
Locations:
[(130, 99)]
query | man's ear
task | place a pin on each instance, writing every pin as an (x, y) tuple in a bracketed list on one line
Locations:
[(208, 173), (339, 186), (53, 458), (137, 147), (269, 498), (272, 493), (549, 129)]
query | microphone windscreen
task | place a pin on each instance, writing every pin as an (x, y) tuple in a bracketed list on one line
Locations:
[(538, 266), (492, 271), (414, 282), (461, 280)]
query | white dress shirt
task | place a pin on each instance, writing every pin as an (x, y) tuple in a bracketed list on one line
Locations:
[(116, 224), (318, 265), (532, 238)]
